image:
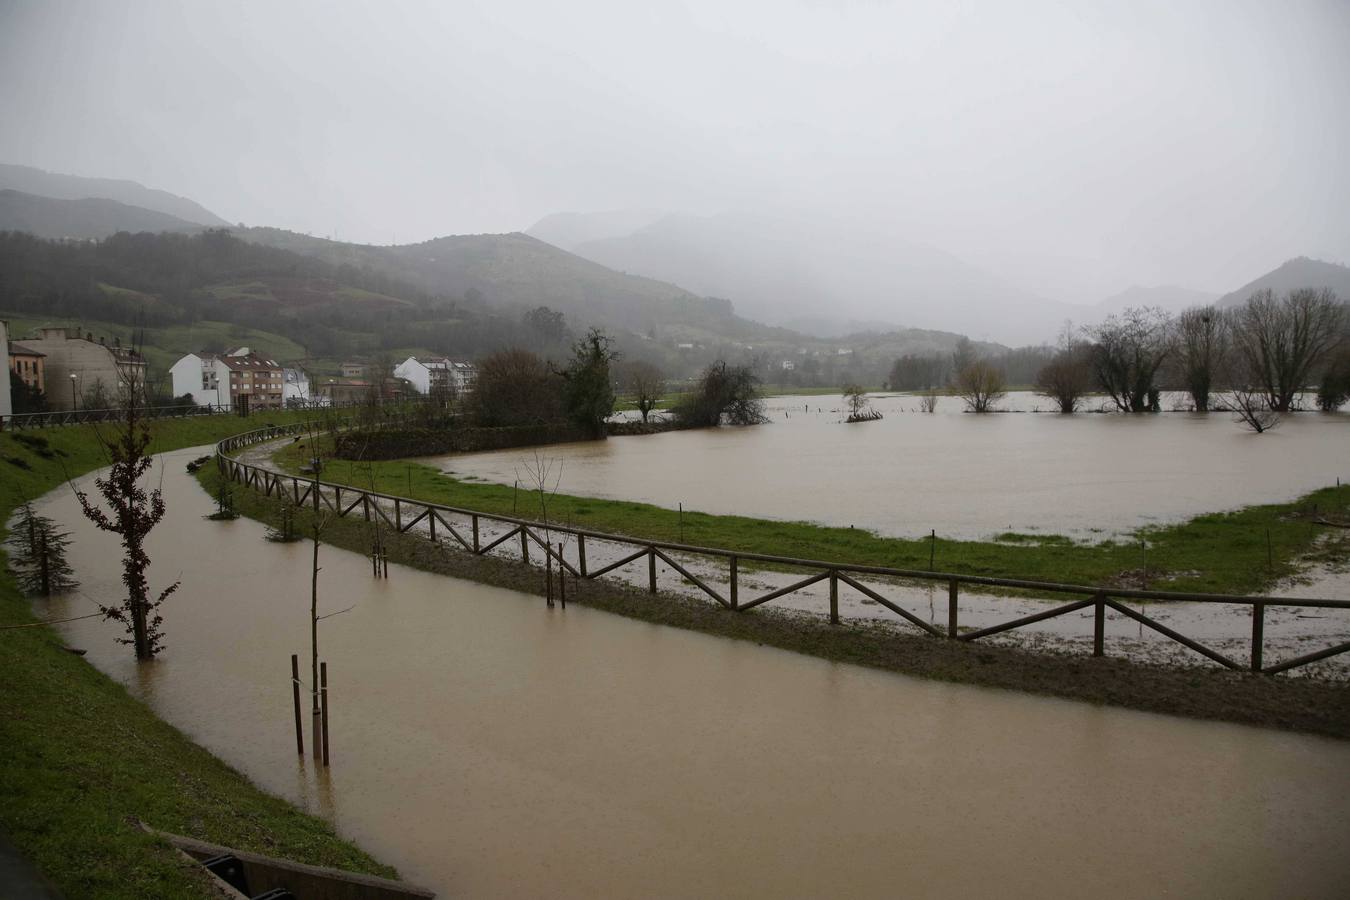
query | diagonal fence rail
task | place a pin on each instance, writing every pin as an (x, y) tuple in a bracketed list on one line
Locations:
[(409, 514)]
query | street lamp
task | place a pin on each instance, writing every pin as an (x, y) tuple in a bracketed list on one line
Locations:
[(73, 404)]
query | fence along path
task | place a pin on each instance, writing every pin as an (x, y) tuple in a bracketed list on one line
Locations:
[(478, 538)]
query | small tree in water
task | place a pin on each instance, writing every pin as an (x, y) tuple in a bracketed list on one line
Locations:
[(730, 392), (132, 513), (588, 389), (39, 557)]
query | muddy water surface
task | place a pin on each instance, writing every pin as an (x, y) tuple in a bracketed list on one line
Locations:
[(489, 747), (965, 475)]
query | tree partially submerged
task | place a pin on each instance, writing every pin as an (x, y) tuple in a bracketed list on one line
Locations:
[(1281, 342), (645, 384), (38, 555), (132, 512), (1067, 378), (1128, 350), (1333, 388), (1202, 349), (980, 384), (723, 394), (588, 388)]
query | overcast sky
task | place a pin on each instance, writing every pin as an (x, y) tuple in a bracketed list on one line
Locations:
[(1075, 148)]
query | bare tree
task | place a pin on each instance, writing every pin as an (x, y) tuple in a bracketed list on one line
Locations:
[(856, 398), (1251, 408), (928, 400), (646, 383), (1202, 352), (133, 512), (1126, 354), (1067, 378), (1281, 342), (981, 385)]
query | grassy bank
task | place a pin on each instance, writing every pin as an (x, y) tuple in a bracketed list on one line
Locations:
[(80, 758), (1206, 693), (1237, 552)]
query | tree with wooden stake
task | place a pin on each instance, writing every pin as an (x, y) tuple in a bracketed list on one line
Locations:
[(39, 555), (133, 512), (318, 730), (543, 476)]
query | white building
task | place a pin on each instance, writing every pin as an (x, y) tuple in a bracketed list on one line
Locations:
[(295, 388), (203, 375), (5, 407), (237, 378), (433, 374)]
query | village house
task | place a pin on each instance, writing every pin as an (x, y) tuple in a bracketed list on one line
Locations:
[(295, 387), (6, 407), (79, 371), (28, 366), (237, 380), (353, 368), (437, 375)]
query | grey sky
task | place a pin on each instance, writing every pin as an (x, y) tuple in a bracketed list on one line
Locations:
[(1074, 148)]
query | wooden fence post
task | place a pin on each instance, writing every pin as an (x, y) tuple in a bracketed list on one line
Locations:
[(475, 534), (295, 695), (651, 570), (323, 705), (398, 515), (524, 545), (365, 505), (581, 554), (562, 577), (951, 608), (431, 523), (1099, 626), (834, 597), (1258, 634), (735, 604)]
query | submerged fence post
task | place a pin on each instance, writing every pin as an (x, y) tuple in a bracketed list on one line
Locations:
[(735, 604), (1258, 634), (475, 534), (323, 705), (951, 609), (562, 577), (524, 545), (295, 696), (651, 570), (581, 554), (1099, 626), (834, 597)]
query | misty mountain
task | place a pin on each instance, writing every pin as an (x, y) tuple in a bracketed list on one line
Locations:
[(778, 270), (89, 218), (1170, 297), (74, 187), (1296, 273), (515, 272), (569, 230)]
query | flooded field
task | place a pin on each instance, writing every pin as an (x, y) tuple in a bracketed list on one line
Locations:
[(964, 475), (488, 746)]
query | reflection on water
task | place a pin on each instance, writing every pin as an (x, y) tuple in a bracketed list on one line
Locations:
[(488, 746), (967, 476)]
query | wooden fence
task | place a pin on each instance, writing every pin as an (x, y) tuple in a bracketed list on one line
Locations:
[(344, 500)]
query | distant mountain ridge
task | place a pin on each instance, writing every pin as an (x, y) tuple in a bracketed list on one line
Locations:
[(89, 218), (570, 230), (30, 180), (781, 270), (1301, 272), (1170, 297)]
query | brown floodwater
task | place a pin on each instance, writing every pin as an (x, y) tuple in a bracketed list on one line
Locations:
[(966, 476), (490, 747)]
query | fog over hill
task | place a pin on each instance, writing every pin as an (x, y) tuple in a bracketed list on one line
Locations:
[(1296, 273), (84, 219), (783, 270), (30, 180)]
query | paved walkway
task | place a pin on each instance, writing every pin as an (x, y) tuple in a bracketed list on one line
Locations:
[(19, 880)]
